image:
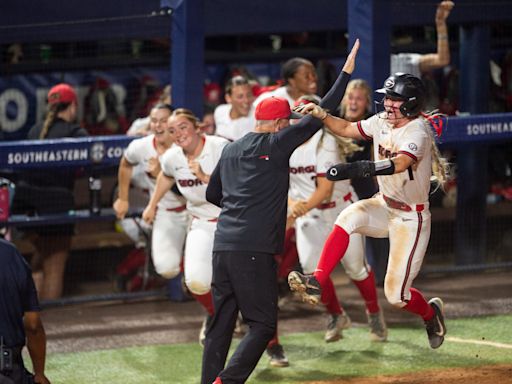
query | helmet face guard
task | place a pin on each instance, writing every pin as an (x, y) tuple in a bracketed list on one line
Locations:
[(409, 89)]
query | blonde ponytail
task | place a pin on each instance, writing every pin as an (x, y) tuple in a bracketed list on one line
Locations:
[(440, 166)]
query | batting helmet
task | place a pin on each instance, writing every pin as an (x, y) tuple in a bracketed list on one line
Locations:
[(408, 88)]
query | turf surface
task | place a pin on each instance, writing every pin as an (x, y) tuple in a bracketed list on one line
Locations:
[(469, 344)]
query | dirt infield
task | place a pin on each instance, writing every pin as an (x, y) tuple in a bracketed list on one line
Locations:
[(477, 375), (160, 321)]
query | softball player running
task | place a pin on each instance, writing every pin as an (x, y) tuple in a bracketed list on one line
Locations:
[(316, 202), (406, 156), (171, 221), (190, 163)]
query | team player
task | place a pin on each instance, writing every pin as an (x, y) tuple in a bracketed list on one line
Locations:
[(190, 163), (300, 79), (236, 118), (315, 203), (171, 222), (406, 156)]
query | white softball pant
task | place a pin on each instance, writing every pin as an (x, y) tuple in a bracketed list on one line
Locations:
[(198, 256), (311, 231), (167, 241), (408, 232)]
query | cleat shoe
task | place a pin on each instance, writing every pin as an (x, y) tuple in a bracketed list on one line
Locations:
[(277, 357), (435, 326), (202, 333), (336, 323), (307, 286), (378, 329)]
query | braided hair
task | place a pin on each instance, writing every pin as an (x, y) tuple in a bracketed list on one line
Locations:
[(51, 115)]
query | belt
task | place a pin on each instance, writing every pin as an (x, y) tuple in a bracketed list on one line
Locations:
[(177, 209), (328, 205), (395, 204)]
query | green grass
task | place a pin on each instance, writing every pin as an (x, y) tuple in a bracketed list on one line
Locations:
[(310, 357)]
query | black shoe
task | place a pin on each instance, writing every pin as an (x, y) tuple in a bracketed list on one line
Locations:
[(307, 286), (277, 357), (435, 326)]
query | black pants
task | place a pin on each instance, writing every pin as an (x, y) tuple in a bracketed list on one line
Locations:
[(245, 282)]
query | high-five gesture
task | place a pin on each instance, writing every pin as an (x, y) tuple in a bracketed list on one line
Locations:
[(350, 63), (348, 67)]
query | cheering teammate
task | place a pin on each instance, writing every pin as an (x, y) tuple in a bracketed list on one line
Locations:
[(407, 155), (170, 224), (315, 203), (236, 118), (190, 163)]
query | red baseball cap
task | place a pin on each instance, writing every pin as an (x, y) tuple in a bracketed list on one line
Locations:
[(273, 108), (61, 93)]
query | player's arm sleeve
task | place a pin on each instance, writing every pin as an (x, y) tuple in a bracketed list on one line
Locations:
[(414, 145), (289, 139), (214, 188), (365, 127), (132, 153)]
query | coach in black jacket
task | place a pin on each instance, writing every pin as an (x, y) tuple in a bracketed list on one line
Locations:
[(250, 184)]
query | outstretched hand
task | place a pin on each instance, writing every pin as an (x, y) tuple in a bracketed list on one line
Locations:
[(350, 63), (312, 109), (443, 11)]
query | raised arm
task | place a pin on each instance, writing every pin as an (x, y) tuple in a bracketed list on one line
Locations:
[(333, 98), (441, 58), (292, 137)]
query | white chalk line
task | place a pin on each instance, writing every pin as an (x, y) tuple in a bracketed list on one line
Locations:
[(479, 342)]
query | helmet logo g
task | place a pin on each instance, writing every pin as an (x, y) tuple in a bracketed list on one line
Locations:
[(389, 83)]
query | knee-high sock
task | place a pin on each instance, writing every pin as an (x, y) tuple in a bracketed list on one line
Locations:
[(368, 291), (206, 301), (329, 298), (419, 305), (334, 249)]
